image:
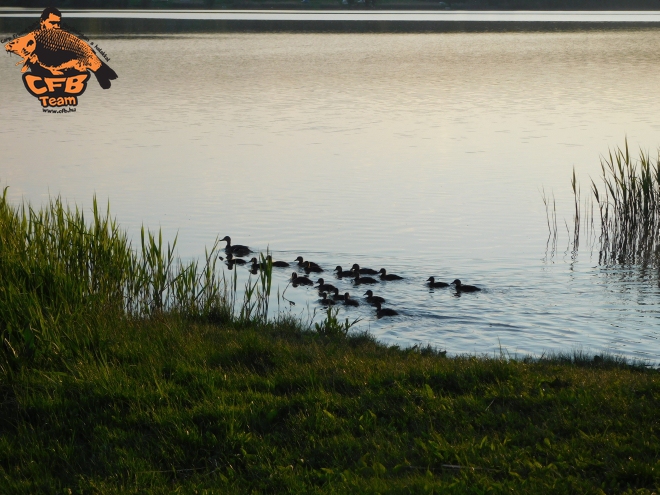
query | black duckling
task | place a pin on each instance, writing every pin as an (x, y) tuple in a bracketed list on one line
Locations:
[(237, 249), (234, 261), (254, 268), (436, 285), (464, 288), (385, 276), (384, 311), (344, 273), (325, 301), (371, 299), (364, 280), (323, 287), (350, 302), (309, 268), (364, 271), (336, 296), (278, 264), (296, 280), (302, 263)]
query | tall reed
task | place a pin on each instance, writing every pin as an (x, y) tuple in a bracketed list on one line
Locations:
[(61, 275), (629, 207)]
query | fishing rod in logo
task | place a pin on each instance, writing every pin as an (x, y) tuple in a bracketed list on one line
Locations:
[(57, 63)]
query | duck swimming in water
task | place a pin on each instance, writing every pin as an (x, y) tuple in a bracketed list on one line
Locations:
[(364, 280), (365, 271), (436, 285), (323, 287), (309, 268), (371, 299), (380, 312), (336, 296), (278, 264), (384, 275), (344, 273), (231, 261), (460, 287), (296, 280), (237, 249), (325, 301), (302, 263), (348, 301)]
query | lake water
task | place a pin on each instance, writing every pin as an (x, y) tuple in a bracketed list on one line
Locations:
[(421, 153)]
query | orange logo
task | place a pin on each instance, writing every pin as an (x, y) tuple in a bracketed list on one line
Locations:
[(59, 62)]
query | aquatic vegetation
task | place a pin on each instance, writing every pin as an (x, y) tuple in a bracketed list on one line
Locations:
[(627, 204), (63, 272)]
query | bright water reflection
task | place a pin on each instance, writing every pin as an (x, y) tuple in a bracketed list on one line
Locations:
[(421, 153)]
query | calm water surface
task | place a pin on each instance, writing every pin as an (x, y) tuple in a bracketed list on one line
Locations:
[(421, 153)]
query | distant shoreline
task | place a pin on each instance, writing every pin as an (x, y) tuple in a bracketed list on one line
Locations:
[(171, 21)]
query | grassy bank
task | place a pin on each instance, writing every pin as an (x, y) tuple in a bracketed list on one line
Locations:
[(172, 405), (124, 370)]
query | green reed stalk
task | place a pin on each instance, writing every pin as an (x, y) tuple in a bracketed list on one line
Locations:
[(629, 207)]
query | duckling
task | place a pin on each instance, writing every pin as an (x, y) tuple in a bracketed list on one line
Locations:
[(364, 271), (363, 280), (254, 268), (323, 287), (309, 268), (436, 285), (302, 262), (237, 249), (255, 264), (325, 301), (384, 311), (278, 264), (234, 261), (344, 273), (371, 299), (336, 296), (464, 288), (296, 280), (350, 302), (385, 276)]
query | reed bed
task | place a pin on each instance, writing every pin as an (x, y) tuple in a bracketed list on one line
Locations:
[(63, 273), (628, 203)]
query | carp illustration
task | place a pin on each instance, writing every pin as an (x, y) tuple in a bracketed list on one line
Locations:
[(57, 51)]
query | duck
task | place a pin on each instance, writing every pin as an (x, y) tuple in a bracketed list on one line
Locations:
[(344, 273), (237, 249), (436, 285), (336, 296), (365, 271), (234, 261), (325, 301), (303, 263), (323, 287), (380, 312), (363, 280), (278, 264), (254, 267), (348, 301), (384, 275), (460, 287), (296, 280), (371, 299), (309, 267)]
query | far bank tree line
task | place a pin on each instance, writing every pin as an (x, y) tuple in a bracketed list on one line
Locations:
[(338, 4)]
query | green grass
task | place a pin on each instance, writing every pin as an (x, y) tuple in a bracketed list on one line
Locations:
[(124, 370)]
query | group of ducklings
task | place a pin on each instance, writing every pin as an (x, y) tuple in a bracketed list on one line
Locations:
[(328, 292)]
